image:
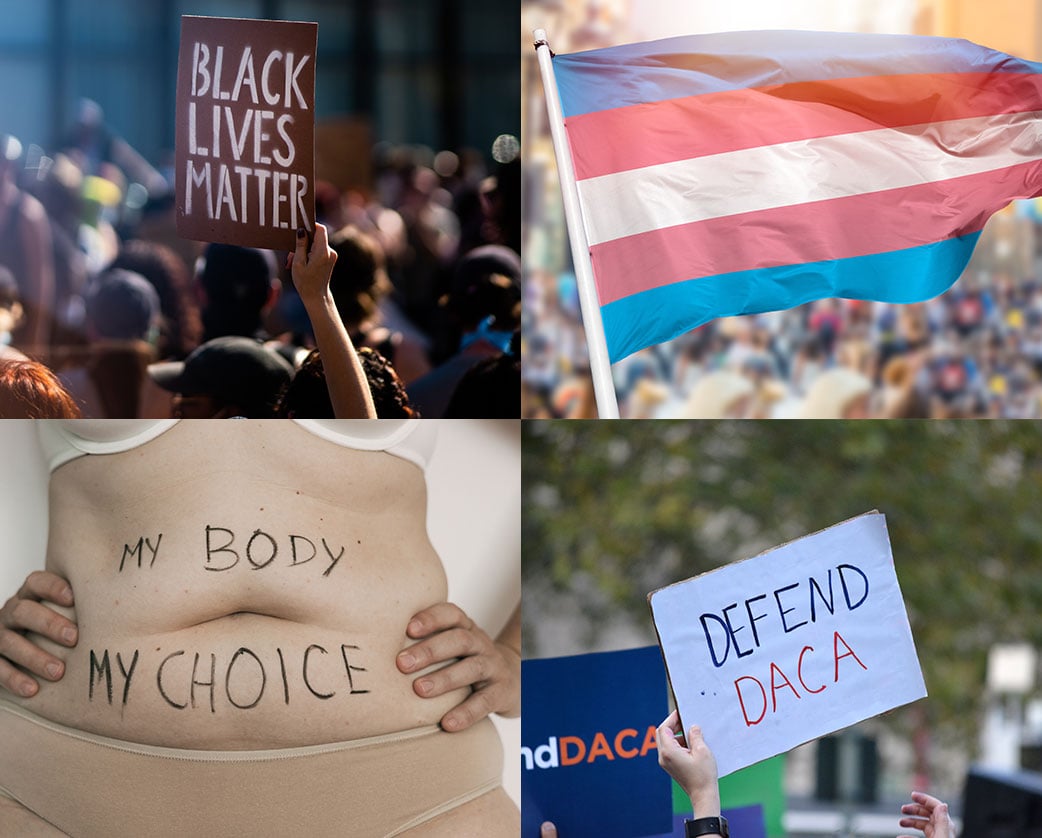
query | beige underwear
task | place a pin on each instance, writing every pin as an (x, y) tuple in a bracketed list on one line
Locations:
[(88, 785)]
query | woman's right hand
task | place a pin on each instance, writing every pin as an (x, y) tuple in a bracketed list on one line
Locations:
[(26, 611)]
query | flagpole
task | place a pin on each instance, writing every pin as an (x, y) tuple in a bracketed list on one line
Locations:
[(600, 365)]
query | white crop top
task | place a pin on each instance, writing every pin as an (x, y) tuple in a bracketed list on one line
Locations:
[(63, 440)]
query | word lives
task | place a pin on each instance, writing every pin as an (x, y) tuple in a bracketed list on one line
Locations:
[(190, 680), (245, 130)]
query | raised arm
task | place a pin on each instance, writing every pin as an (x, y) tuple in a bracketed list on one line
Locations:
[(345, 378)]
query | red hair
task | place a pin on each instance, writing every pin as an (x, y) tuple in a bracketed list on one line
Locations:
[(29, 390)]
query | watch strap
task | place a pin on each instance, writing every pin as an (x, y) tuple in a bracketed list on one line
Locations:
[(706, 826)]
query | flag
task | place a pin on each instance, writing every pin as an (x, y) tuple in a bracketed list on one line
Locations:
[(743, 172)]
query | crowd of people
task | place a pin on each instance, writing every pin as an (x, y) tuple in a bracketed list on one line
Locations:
[(106, 313), (973, 352)]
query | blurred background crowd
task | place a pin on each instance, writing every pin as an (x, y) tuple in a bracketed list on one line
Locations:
[(105, 312), (975, 351)]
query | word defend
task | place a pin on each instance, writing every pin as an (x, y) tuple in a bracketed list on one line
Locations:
[(245, 131), (798, 642)]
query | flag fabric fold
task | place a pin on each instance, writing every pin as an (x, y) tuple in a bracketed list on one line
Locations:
[(743, 172)]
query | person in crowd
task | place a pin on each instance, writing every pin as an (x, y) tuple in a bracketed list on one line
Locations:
[(10, 316), (491, 389), (224, 378), (25, 250), (236, 288), (108, 377), (29, 390), (485, 302)]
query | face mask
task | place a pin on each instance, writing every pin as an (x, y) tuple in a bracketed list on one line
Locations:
[(485, 332)]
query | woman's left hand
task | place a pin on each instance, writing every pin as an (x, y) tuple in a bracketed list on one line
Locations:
[(491, 669)]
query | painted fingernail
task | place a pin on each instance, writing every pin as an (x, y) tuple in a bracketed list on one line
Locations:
[(69, 635), (301, 232), (407, 660), (425, 686), (54, 669)]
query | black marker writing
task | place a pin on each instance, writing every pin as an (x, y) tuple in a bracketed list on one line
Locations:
[(138, 551), (228, 680), (350, 669), (262, 550)]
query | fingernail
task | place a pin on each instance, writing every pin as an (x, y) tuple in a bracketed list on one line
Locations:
[(67, 593), (425, 686), (54, 669), (415, 627), (301, 232), (451, 723), (69, 635), (28, 688), (407, 660)]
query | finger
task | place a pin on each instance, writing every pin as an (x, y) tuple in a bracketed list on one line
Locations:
[(444, 646), (915, 809), (15, 681), (300, 255), (42, 584), (20, 651), (474, 709), (475, 670), (32, 616), (672, 721), (321, 240), (914, 823), (438, 617), (925, 800), (548, 830), (694, 736)]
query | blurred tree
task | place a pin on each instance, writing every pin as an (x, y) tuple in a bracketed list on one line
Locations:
[(612, 511)]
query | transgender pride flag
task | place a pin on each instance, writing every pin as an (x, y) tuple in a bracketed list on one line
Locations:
[(745, 172)]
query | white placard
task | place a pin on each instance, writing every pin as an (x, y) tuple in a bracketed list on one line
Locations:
[(800, 641)]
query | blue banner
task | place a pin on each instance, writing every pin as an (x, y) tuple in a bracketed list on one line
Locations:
[(588, 756)]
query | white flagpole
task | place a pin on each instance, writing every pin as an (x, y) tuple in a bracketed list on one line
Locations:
[(600, 366)]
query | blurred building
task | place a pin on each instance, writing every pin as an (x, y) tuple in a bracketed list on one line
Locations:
[(441, 73), (1013, 26)]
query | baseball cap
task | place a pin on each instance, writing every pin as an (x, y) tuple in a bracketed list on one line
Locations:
[(231, 370)]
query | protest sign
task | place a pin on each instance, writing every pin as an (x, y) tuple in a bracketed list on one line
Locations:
[(800, 641), (245, 145), (588, 759)]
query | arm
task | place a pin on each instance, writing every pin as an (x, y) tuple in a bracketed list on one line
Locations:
[(39, 283), (348, 388), (492, 668), (23, 612)]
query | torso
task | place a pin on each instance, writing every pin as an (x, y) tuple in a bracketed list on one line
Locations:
[(297, 629)]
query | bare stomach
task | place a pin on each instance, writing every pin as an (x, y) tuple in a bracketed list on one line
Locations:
[(244, 681)]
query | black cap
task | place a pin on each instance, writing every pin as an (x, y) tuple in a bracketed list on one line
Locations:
[(231, 370)]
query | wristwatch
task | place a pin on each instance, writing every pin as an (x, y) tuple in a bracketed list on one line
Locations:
[(706, 826)]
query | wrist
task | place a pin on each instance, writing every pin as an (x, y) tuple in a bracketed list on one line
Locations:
[(706, 804)]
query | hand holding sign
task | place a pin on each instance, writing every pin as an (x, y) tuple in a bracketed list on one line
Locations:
[(691, 764), (798, 642), (245, 130)]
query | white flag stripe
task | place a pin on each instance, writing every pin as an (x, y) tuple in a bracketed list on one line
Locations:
[(685, 191)]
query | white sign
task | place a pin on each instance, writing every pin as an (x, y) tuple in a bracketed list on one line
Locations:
[(800, 641)]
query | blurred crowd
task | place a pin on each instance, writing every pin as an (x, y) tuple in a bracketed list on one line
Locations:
[(974, 352), (106, 313)]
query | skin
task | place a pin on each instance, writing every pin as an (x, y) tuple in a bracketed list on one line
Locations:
[(311, 269), (445, 633), (693, 766)]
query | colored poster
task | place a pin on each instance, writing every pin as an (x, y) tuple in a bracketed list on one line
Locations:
[(588, 757), (800, 641), (245, 131)]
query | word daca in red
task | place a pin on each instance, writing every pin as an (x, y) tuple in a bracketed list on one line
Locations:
[(572, 750), (729, 628), (780, 681)]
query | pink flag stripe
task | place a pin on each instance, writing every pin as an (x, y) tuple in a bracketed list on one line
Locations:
[(839, 228), (632, 137)]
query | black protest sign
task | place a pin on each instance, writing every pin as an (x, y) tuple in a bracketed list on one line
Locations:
[(245, 131)]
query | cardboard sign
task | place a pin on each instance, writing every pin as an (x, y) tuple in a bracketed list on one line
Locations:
[(802, 640), (245, 131), (588, 759)]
